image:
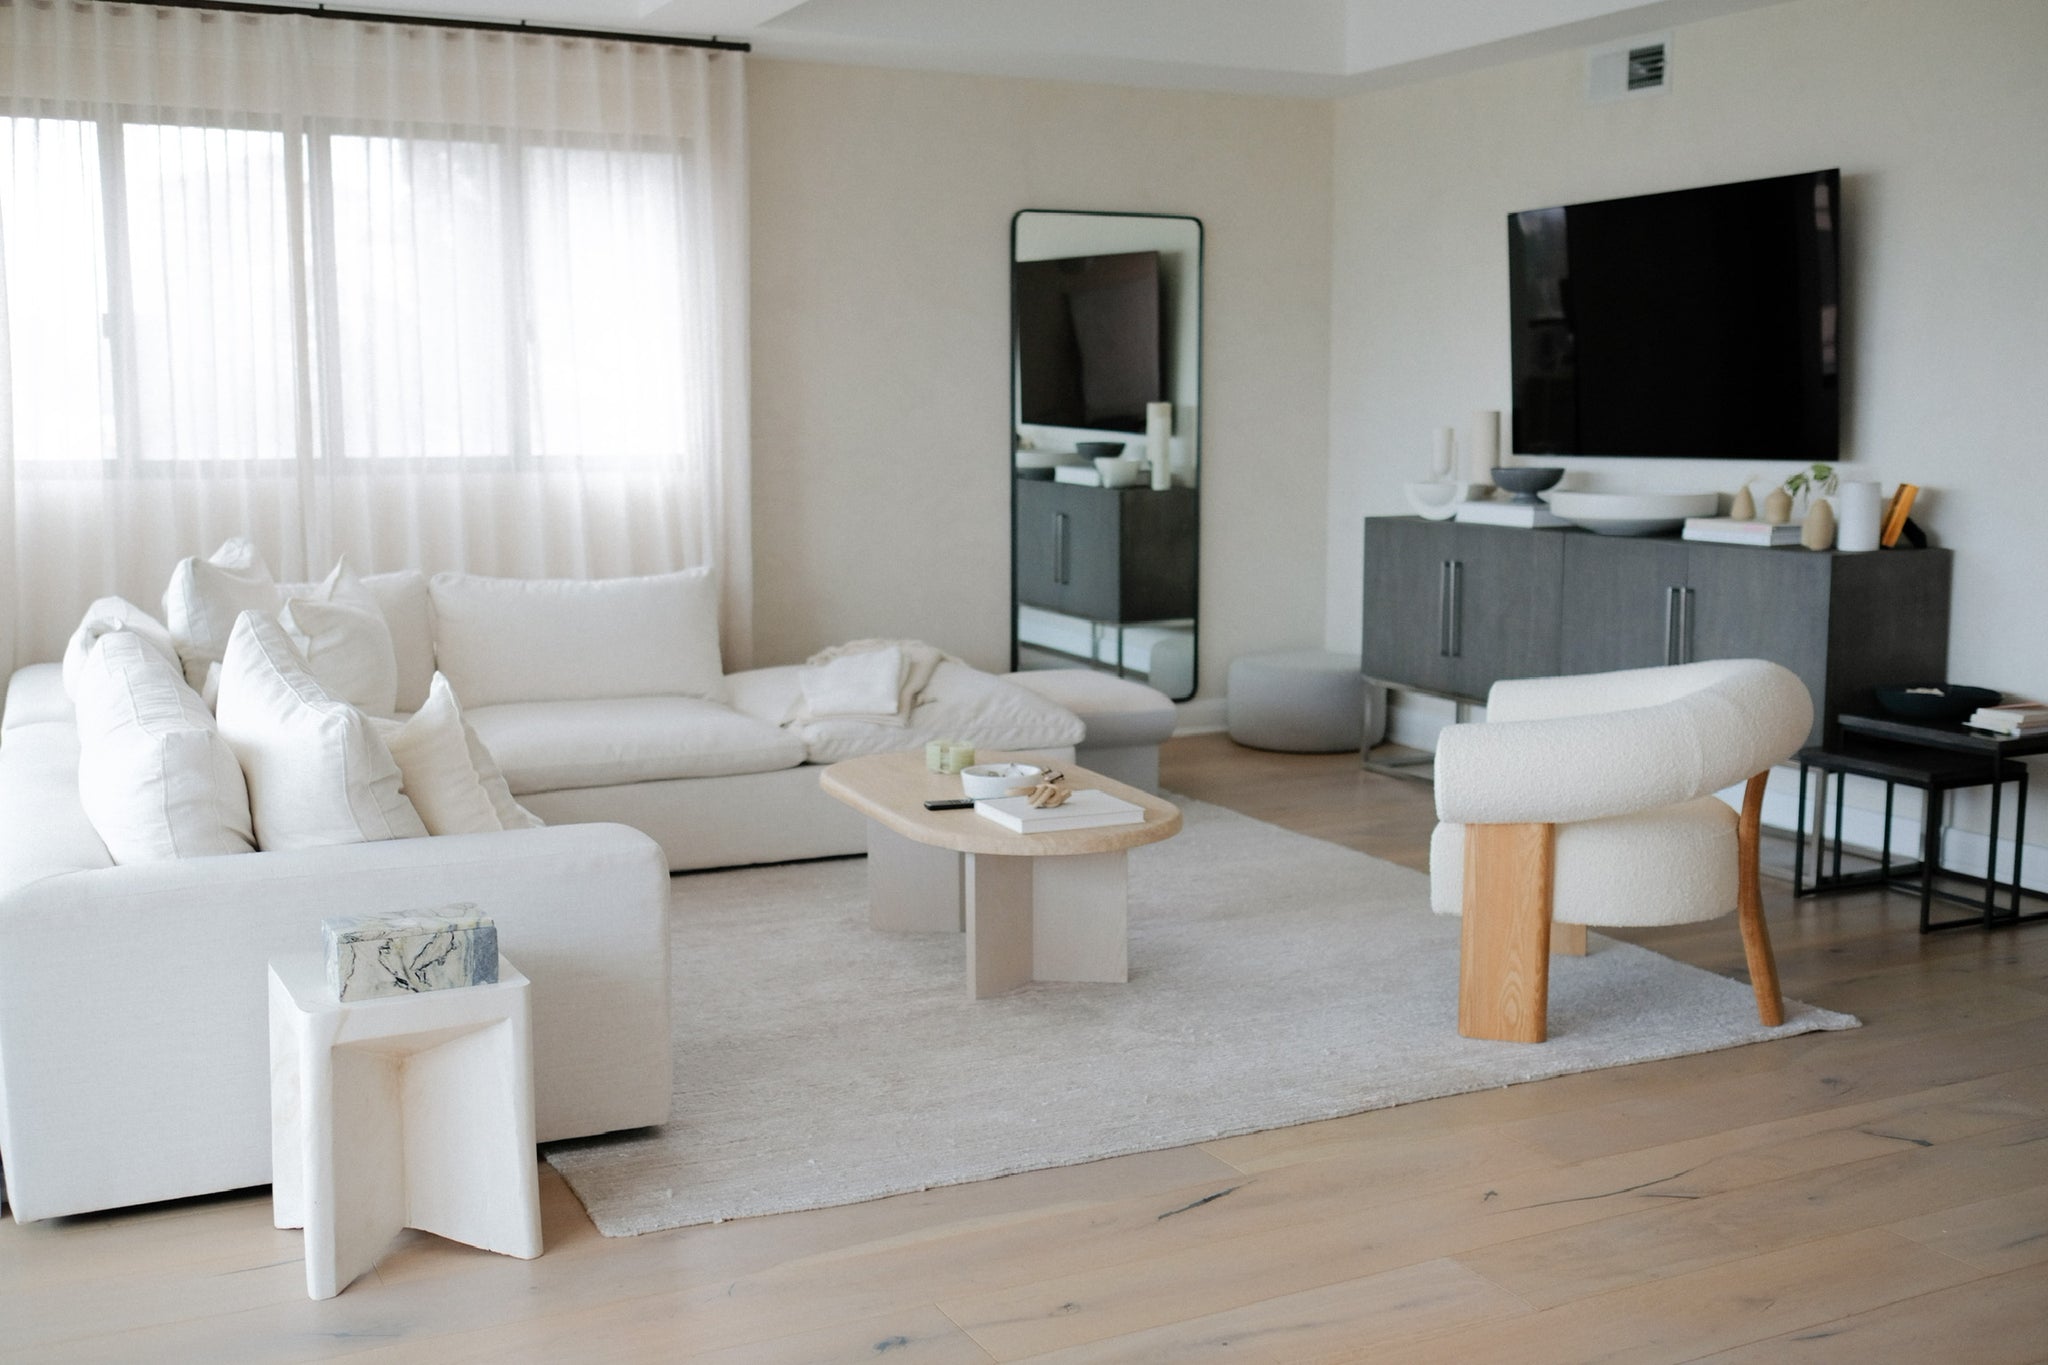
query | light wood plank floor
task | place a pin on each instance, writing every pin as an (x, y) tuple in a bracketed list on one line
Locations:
[(1879, 1195)]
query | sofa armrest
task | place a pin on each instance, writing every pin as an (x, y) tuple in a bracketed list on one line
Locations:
[(134, 1054)]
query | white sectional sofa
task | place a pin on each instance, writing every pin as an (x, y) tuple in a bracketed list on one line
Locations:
[(133, 1046)]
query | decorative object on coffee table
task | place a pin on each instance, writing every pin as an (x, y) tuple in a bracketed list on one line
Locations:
[(998, 779), (414, 1111)]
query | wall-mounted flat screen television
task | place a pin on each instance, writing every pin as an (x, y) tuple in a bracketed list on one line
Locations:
[(1089, 340), (1703, 323)]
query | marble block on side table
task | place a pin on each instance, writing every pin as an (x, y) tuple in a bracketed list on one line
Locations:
[(404, 954)]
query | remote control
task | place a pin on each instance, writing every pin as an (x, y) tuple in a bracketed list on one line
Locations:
[(963, 804)]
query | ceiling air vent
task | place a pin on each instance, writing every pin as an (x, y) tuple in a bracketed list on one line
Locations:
[(1631, 67)]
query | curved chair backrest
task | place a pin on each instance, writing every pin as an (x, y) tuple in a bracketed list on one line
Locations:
[(1555, 750)]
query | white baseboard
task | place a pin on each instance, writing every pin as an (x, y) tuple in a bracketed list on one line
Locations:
[(1201, 716)]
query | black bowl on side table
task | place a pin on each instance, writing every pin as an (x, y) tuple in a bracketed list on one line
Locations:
[(1934, 701)]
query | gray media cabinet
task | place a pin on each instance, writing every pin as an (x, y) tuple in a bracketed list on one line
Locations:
[(1451, 608)]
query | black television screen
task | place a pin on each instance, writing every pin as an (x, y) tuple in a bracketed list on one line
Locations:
[(1702, 323), (1088, 340)]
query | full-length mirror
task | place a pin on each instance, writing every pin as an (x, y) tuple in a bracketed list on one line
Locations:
[(1105, 441)]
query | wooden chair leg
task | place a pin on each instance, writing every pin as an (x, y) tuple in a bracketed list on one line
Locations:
[(1567, 940), (1756, 936), (1504, 943)]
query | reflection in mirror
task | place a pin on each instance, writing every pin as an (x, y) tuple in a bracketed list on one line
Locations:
[(1105, 423)]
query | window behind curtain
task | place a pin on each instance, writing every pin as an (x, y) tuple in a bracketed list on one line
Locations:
[(430, 297), (467, 299)]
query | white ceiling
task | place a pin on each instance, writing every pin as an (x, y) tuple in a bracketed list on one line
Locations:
[(1292, 47)]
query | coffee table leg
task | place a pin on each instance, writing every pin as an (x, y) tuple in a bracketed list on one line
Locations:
[(912, 887), (1080, 929), (1046, 919), (998, 923)]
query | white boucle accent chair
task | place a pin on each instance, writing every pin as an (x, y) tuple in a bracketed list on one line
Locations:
[(1590, 800)]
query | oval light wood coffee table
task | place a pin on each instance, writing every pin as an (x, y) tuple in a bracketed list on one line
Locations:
[(1035, 907)]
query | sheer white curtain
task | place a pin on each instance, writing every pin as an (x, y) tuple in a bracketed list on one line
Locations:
[(433, 298)]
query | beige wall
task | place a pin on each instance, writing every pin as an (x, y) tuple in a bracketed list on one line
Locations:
[(1937, 116), (881, 206)]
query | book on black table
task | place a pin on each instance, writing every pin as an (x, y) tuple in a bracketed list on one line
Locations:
[(2010, 718)]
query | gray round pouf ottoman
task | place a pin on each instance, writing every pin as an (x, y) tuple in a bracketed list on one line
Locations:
[(1305, 701)]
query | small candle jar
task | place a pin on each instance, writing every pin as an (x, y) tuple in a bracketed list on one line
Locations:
[(948, 755)]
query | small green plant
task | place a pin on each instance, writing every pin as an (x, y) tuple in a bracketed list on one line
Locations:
[(1813, 481)]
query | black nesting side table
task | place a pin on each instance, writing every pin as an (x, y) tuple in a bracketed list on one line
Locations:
[(1937, 759)]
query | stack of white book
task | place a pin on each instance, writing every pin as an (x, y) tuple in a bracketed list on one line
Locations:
[(2011, 719), (1084, 809), (1729, 531), (1529, 515)]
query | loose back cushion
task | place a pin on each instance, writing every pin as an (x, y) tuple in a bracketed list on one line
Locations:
[(402, 596), (318, 773), (206, 595), (111, 614), (338, 629), (154, 775), (438, 755), (512, 640)]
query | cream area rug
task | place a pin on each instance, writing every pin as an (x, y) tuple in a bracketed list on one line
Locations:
[(1275, 979)]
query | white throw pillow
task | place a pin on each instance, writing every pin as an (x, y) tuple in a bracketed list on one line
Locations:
[(511, 815), (206, 595), (154, 775), (318, 773), (111, 614), (409, 615), (437, 752), (510, 640), (339, 630)]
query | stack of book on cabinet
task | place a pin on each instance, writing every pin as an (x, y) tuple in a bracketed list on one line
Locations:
[(1729, 531), (2011, 719)]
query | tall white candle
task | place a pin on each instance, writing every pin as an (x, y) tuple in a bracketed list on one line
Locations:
[(1860, 509), (1440, 458), (1159, 443), (1485, 445)]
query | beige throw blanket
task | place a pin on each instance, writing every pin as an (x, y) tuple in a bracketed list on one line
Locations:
[(878, 681)]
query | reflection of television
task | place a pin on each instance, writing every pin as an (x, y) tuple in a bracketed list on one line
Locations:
[(1088, 340), (1700, 323)]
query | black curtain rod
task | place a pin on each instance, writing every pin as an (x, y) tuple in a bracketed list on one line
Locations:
[(431, 21)]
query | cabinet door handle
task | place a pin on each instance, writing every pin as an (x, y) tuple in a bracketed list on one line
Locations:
[(1457, 608), (1670, 626), (1059, 548), (1685, 625), (1443, 609)]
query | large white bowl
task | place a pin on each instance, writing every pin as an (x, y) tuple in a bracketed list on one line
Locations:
[(1633, 514), (985, 780)]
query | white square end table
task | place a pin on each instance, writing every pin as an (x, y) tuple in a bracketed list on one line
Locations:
[(410, 1111)]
